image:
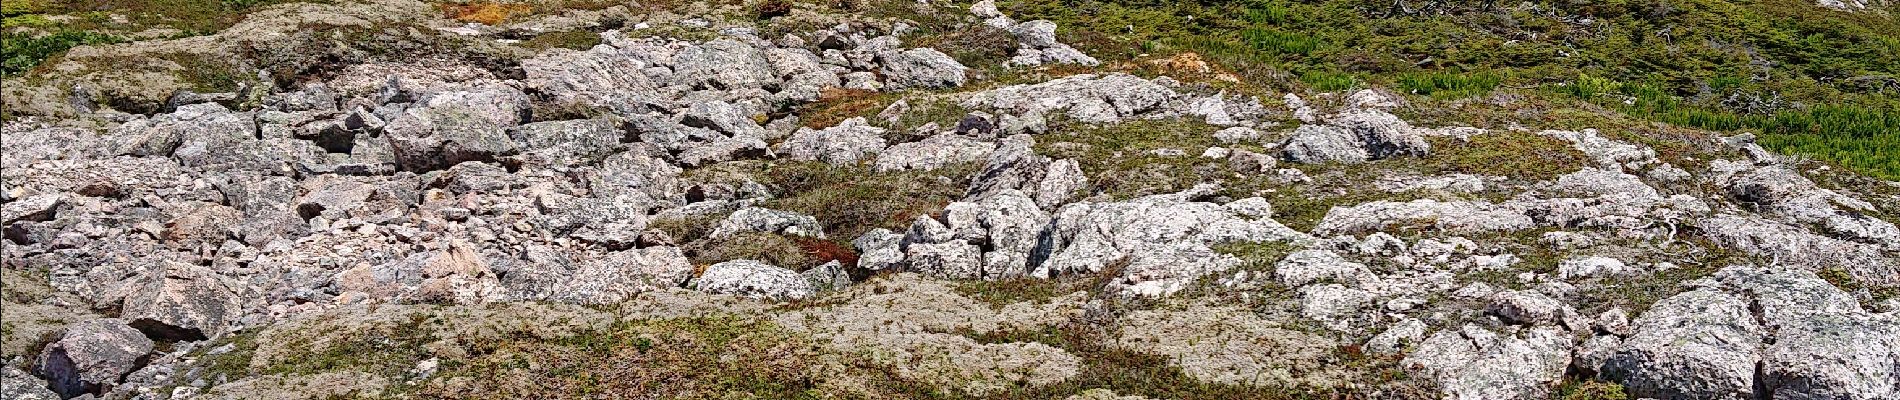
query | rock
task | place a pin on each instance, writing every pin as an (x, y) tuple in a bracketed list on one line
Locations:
[(1696, 345), (1794, 245), (1528, 307), (827, 277), (1782, 192), (879, 249), (805, 76), (723, 64), (1238, 134), (1087, 98), (1397, 337), (1061, 182), (584, 139), (162, 134), (1310, 266), (763, 220), (19, 385), (1334, 306), (182, 302), (1474, 363), (595, 79), (39, 207), (1164, 238), (1454, 217), (619, 276), (93, 355), (754, 280), (932, 153), (920, 68), (1314, 144), (955, 260), (845, 144), (1589, 267), (456, 126)]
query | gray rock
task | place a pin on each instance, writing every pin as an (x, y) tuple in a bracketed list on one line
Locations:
[(1796, 246), (1164, 239), (827, 277), (39, 207), (1085, 97), (1314, 144), (954, 259), (162, 134), (764, 220), (619, 276), (754, 280), (1238, 134), (1696, 345), (1397, 337), (1318, 265), (19, 385), (596, 79), (921, 68), (723, 117), (879, 249), (456, 126), (1588, 267), (93, 355), (724, 64), (846, 144), (1474, 363), (1063, 181), (182, 302), (804, 75), (932, 153), (1454, 217), (1528, 307), (586, 139)]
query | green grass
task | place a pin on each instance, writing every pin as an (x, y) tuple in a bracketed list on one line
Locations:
[(21, 52), (1810, 80)]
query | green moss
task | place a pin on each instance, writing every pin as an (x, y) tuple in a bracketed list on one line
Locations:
[(1591, 390), (20, 52)]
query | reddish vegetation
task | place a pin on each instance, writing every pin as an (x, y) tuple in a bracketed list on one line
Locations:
[(487, 12), (824, 251)]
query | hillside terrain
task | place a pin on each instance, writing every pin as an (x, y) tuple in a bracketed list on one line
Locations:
[(889, 199)]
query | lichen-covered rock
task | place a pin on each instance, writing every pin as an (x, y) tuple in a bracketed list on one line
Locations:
[(1316, 265), (1452, 217), (765, 220), (575, 140), (454, 127), (920, 68), (19, 385), (845, 144), (754, 280), (1086, 97), (1696, 345), (595, 79), (620, 275), (91, 355), (1474, 363), (932, 153), (1164, 239), (723, 64)]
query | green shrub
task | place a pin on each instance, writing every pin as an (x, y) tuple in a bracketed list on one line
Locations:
[(1449, 84)]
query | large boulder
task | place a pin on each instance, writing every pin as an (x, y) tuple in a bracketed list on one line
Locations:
[(765, 220), (921, 68), (180, 301), (847, 143), (1697, 345), (1473, 363), (20, 385), (458, 126), (92, 355), (755, 280), (621, 275), (1088, 98), (723, 64), (934, 152), (596, 79)]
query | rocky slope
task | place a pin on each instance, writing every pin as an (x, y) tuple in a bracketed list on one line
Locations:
[(823, 206)]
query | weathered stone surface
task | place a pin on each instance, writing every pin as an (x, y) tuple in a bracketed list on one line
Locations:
[(754, 280), (723, 64), (1696, 345), (19, 385), (594, 79), (621, 275), (454, 127), (847, 143), (182, 302), (91, 355), (1164, 239), (921, 68), (933, 153), (764, 220), (1475, 363)]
